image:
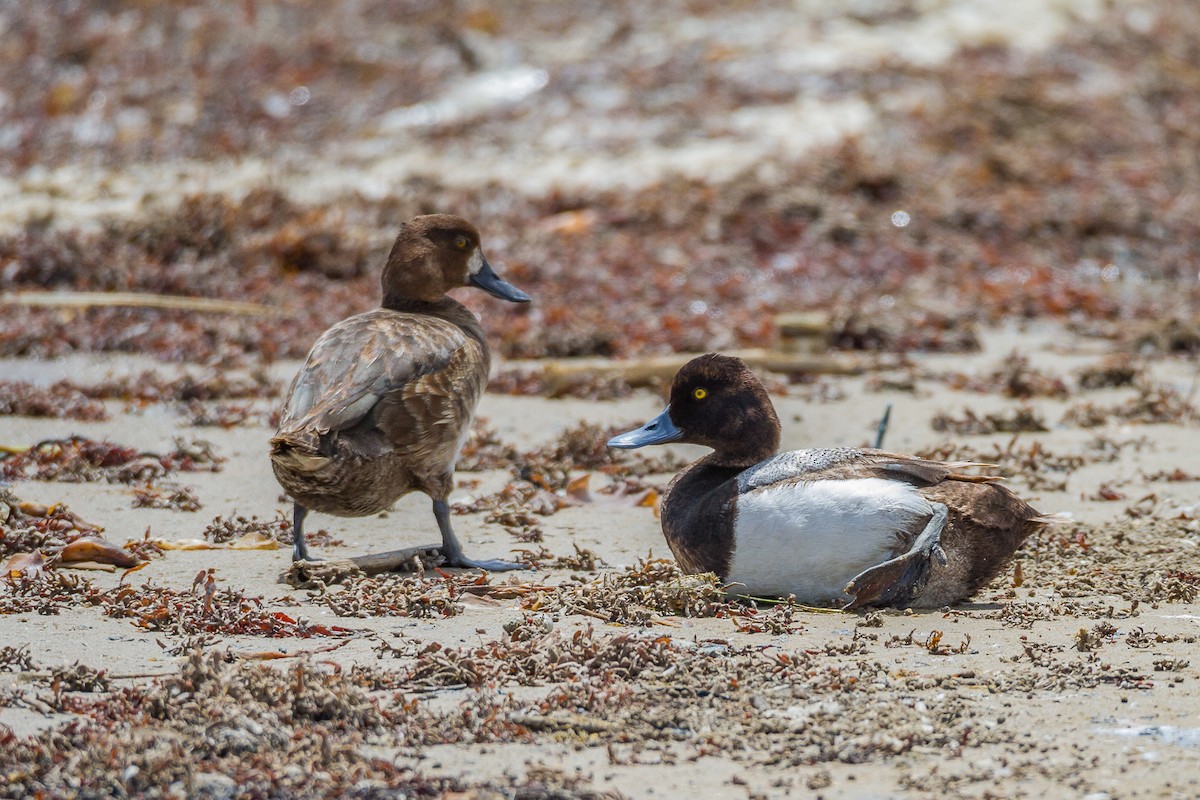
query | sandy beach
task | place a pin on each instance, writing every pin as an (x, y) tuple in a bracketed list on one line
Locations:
[(991, 218), (1072, 682)]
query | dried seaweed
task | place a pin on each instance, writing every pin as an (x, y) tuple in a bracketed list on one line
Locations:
[(61, 400), (583, 560), (79, 459), (1113, 372), (517, 508), (1018, 420), (1097, 240), (547, 477), (638, 595), (16, 659), (221, 727), (1032, 462), (532, 660), (26, 527), (279, 527), (151, 386), (484, 450), (77, 678), (1155, 403), (166, 495), (395, 596), (217, 415), (581, 447), (585, 387), (45, 594), (1015, 378), (207, 609)]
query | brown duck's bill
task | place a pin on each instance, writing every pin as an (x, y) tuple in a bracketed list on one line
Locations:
[(659, 430), (487, 279)]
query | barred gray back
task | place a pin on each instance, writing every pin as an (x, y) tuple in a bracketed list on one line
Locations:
[(794, 464)]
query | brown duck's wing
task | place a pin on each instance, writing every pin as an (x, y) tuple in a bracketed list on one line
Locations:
[(921, 471), (986, 507), (428, 418), (358, 362)]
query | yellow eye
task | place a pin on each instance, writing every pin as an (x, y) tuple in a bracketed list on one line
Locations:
[(460, 242), (700, 394)]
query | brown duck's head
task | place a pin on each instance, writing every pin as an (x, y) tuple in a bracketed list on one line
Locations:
[(436, 253), (718, 402)]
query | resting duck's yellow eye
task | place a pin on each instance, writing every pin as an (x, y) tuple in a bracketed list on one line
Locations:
[(700, 394), (460, 242)]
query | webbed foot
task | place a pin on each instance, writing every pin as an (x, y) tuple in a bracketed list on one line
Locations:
[(897, 582), (490, 565), (452, 551)]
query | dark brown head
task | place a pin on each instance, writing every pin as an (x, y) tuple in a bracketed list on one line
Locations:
[(716, 401), (436, 253)]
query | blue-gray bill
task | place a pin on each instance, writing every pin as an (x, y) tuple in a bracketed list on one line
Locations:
[(487, 279), (659, 430)]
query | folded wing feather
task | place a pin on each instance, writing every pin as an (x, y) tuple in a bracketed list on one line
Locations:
[(340, 384)]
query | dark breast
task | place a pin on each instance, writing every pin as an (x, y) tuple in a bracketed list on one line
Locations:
[(699, 511)]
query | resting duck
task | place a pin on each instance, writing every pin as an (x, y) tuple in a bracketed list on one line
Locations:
[(385, 399), (854, 527)]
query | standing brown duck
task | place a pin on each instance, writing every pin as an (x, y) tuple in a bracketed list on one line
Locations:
[(385, 399), (847, 526)]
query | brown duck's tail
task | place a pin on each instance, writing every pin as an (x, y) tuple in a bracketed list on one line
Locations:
[(298, 449)]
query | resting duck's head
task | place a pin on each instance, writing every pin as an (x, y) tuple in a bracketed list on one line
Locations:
[(436, 253), (718, 402)]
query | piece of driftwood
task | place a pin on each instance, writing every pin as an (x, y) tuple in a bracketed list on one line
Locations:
[(137, 300), (308, 574), (803, 332), (564, 722), (642, 371)]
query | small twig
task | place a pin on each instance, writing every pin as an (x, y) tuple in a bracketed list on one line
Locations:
[(505, 591), (587, 725), (587, 612), (137, 300), (776, 601), (453, 687), (275, 655), (45, 676), (881, 429)]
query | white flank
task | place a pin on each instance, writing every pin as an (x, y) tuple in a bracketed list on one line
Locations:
[(810, 538)]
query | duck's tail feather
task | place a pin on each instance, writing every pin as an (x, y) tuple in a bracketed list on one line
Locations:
[(1059, 518), (298, 448), (957, 465), (956, 473), (962, 476)]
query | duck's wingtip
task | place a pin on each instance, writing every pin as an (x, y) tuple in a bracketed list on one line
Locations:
[(1057, 518)]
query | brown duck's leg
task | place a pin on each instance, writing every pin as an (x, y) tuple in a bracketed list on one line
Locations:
[(898, 581), (453, 551), (299, 548)]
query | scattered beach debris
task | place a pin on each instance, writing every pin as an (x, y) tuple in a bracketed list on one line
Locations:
[(79, 459)]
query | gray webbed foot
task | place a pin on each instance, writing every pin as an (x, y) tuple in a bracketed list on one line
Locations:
[(898, 581), (490, 565), (452, 551)]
